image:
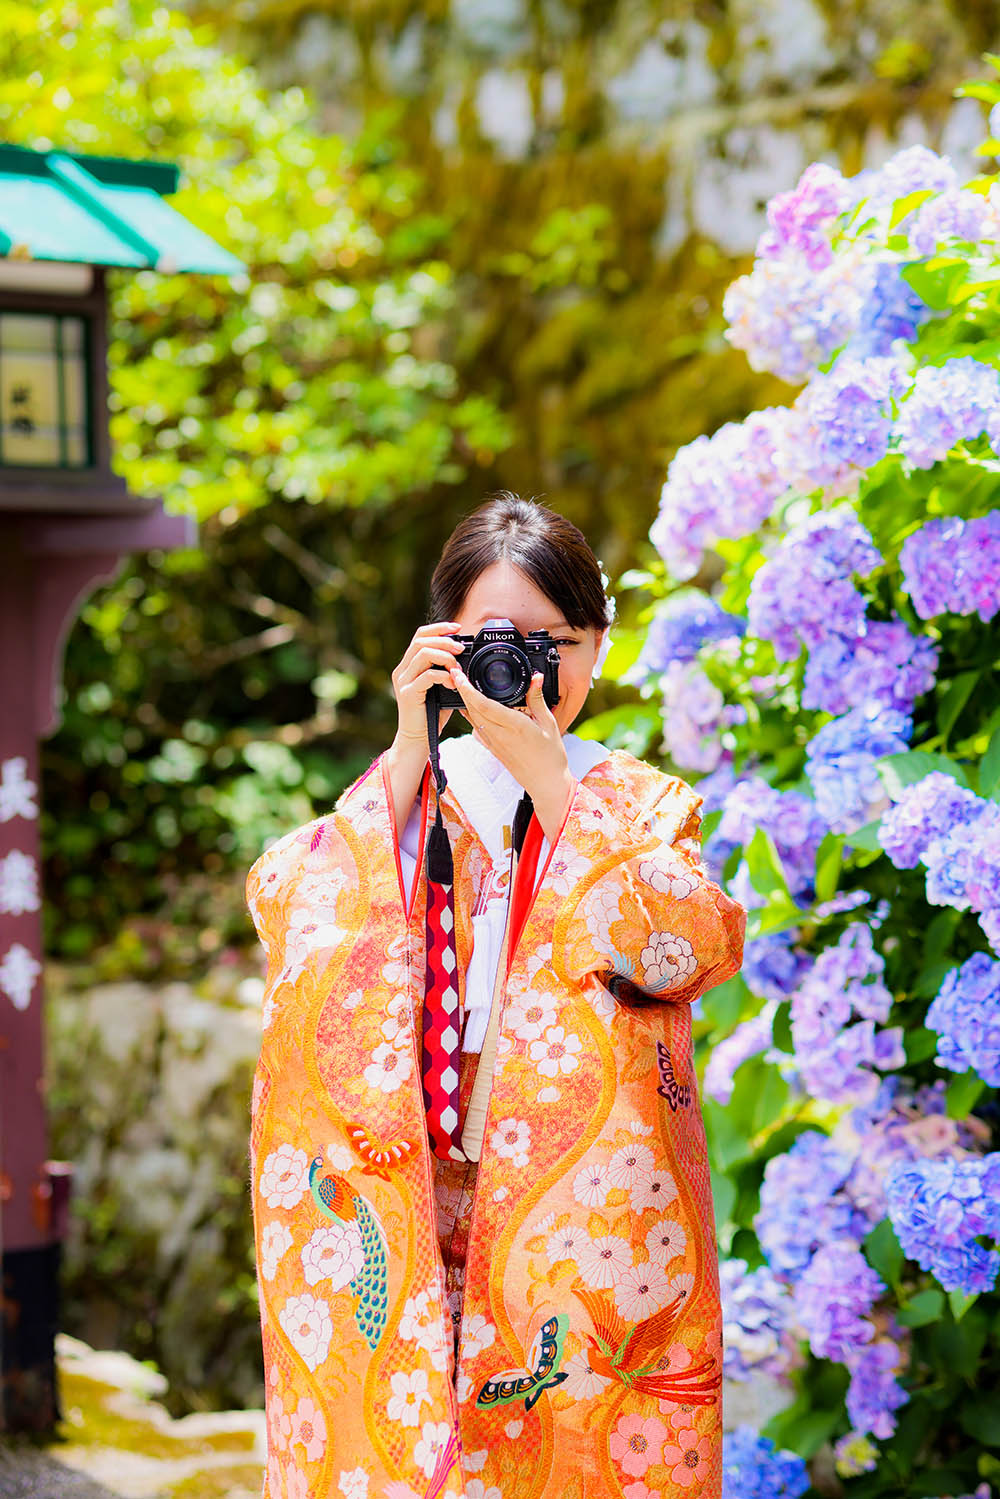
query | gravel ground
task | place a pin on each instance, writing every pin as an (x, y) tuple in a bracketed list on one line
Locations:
[(26, 1473)]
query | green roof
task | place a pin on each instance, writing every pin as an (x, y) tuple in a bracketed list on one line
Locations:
[(100, 210)]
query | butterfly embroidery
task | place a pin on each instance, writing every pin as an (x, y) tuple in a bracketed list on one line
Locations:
[(677, 1094), (527, 1384), (379, 1159)]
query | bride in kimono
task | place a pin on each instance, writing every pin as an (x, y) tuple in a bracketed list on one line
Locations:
[(483, 1220)]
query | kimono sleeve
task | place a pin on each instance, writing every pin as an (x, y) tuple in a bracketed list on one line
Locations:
[(652, 925)]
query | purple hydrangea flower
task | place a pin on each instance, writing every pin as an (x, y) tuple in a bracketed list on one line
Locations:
[(789, 318), (952, 214), (915, 169), (842, 764), (874, 1393), (773, 965), (695, 715), (833, 1297), (939, 1209), (803, 1205), (789, 817), (886, 662), (946, 404), (833, 1013), (756, 1322), (844, 421), (952, 566), (749, 1039), (725, 485), (800, 222), (677, 632), (803, 594), (966, 1015), (854, 1454), (927, 810), (963, 865), (752, 1468)]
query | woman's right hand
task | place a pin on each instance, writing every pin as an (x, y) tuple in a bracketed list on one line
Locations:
[(426, 663)]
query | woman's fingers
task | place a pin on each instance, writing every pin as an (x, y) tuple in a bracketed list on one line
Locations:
[(436, 654)]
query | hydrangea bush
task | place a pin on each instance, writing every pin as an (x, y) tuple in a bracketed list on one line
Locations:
[(835, 696)]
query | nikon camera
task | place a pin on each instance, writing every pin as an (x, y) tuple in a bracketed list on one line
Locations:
[(499, 661)]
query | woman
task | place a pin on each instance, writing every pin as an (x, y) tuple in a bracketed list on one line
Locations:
[(474, 1111)]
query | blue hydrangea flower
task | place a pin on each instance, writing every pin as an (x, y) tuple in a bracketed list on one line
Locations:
[(966, 1015), (749, 1039), (947, 403), (952, 566), (844, 422), (874, 1394), (773, 966), (686, 622), (804, 594), (885, 663), (752, 1468), (789, 318), (833, 1297), (803, 1205), (756, 1322), (939, 1209), (842, 763), (892, 311), (789, 817), (927, 810)]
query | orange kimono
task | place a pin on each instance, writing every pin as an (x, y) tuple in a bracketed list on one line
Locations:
[(589, 1358)]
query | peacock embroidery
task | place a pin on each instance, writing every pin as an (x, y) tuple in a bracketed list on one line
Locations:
[(337, 1200)]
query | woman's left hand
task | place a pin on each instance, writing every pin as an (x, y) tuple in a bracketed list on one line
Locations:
[(528, 742)]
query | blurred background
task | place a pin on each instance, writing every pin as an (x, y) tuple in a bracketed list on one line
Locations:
[(486, 245)]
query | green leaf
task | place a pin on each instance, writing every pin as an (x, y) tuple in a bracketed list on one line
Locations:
[(829, 857), (926, 1306), (883, 1252), (781, 1031), (865, 838), (905, 769), (960, 1303), (919, 1044), (963, 1093), (631, 727), (937, 281), (954, 700), (767, 875), (989, 768), (771, 1097)]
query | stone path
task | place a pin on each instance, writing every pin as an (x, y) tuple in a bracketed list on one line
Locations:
[(118, 1442)]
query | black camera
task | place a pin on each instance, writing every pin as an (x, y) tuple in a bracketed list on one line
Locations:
[(500, 662)]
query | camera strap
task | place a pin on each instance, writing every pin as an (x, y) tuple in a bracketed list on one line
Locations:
[(442, 1037)]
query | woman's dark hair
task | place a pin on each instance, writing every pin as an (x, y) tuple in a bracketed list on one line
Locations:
[(546, 547)]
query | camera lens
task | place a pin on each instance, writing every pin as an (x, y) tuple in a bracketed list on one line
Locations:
[(501, 672)]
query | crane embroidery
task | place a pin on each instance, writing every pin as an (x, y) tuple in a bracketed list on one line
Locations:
[(338, 1201)]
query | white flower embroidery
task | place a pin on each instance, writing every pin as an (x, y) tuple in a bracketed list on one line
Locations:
[(354, 1483), (388, 1068), (566, 870), (653, 1191), (306, 1323), (557, 1053), (339, 1157), (475, 1462), (309, 1429), (666, 1240), (432, 1440), (513, 1429), (600, 912), (285, 1177), (18, 883), (636, 1127), (414, 1312), (565, 1243), (477, 1334), (463, 1387), (512, 1140), (310, 931), (18, 973), (582, 1383), (334, 1253), (631, 1165), (474, 1489), (351, 1002), (591, 1186), (682, 1286), (666, 961), (275, 1242), (642, 1290), (676, 882), (530, 1015), (17, 793), (409, 1393), (603, 1260), (267, 1012)]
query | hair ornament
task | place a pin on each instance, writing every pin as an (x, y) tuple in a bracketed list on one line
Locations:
[(610, 613)]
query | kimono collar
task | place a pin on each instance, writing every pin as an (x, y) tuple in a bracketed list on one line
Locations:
[(486, 791)]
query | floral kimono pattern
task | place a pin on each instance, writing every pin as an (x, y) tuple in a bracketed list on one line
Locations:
[(589, 1361)]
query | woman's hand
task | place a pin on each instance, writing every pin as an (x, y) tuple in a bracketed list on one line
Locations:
[(528, 742), (425, 664)]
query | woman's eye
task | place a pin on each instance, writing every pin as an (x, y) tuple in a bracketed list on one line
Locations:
[(567, 642)]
